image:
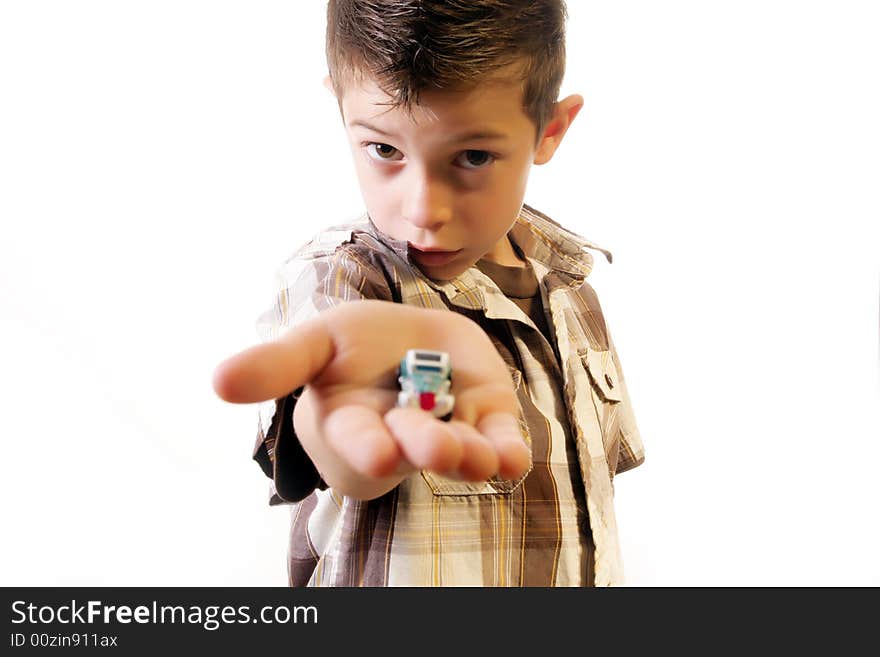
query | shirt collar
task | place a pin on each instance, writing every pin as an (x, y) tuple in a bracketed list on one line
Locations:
[(562, 251)]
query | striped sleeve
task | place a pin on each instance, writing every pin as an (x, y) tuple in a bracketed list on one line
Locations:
[(632, 452), (314, 279)]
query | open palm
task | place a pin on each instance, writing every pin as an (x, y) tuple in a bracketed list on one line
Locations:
[(347, 357)]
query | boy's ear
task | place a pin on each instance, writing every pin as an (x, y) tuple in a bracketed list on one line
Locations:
[(328, 84), (564, 112)]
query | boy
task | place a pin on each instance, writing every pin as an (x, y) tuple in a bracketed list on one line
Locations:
[(446, 107)]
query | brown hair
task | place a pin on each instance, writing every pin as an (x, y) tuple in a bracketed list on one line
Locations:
[(409, 46)]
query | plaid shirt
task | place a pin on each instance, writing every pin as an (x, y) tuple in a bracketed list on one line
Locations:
[(555, 526)]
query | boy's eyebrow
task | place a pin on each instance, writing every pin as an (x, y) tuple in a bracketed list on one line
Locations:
[(470, 136)]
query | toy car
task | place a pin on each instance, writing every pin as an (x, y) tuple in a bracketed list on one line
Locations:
[(425, 378)]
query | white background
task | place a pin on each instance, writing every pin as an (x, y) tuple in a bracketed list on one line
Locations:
[(159, 159)]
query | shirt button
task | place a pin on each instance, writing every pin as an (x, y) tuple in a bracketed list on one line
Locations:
[(609, 381)]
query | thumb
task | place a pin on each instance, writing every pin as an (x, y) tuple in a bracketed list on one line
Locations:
[(272, 370)]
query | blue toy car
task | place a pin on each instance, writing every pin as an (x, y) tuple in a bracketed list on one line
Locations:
[(425, 378)]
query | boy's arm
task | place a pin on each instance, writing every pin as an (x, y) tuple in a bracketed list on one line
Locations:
[(324, 273), (362, 445)]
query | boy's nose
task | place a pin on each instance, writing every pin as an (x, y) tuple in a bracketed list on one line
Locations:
[(428, 203)]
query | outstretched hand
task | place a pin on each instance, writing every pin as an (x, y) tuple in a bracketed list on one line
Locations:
[(347, 358)]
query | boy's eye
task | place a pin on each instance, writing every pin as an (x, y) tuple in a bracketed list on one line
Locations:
[(473, 159), (382, 151)]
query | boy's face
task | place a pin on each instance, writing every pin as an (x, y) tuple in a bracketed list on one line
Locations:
[(450, 177)]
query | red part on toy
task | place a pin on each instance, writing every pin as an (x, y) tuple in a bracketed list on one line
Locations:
[(426, 401)]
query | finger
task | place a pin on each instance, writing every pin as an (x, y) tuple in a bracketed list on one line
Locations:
[(503, 430), (426, 442), (492, 408), (479, 461), (475, 401), (360, 438), (272, 370)]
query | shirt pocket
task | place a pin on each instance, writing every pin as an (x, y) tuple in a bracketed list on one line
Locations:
[(607, 393), (495, 486)]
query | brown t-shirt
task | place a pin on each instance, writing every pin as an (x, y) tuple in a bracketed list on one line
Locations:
[(520, 285)]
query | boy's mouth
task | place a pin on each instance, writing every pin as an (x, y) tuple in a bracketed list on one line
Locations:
[(431, 257)]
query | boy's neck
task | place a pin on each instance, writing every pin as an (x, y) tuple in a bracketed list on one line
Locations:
[(505, 254)]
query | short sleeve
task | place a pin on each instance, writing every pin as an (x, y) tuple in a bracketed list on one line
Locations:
[(321, 275), (632, 452)]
